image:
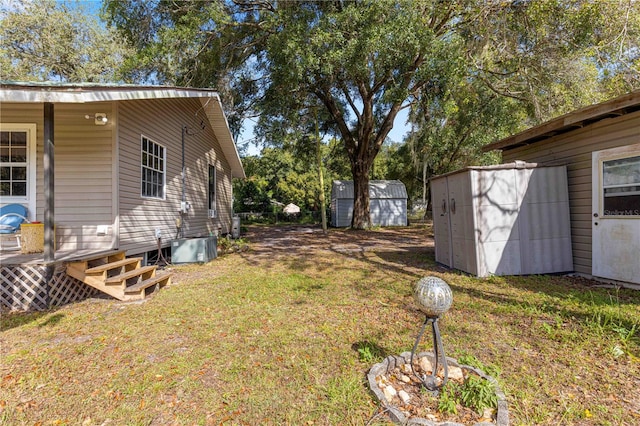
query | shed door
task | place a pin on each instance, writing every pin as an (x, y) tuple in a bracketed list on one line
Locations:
[(441, 223), (616, 214)]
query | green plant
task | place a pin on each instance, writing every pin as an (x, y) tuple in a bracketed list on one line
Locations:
[(369, 352), (229, 245), (478, 393), (472, 361), (366, 354), (448, 401)]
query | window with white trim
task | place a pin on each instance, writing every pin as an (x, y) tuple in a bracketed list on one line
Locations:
[(14, 163), (153, 169), (212, 192), (621, 187)]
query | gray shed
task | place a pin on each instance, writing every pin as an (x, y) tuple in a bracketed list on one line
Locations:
[(509, 219), (387, 203)]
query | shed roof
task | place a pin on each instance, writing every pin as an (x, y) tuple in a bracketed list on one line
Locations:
[(577, 119), (377, 189), (32, 92)]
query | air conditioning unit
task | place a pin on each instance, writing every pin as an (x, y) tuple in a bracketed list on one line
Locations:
[(194, 250), (212, 214)]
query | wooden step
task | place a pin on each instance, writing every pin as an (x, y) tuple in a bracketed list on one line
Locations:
[(128, 275), (94, 270), (148, 283), (113, 265)]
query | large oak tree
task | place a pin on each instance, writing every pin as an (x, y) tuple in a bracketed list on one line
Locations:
[(360, 61)]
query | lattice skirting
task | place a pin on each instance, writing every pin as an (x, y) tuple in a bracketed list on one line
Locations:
[(28, 288)]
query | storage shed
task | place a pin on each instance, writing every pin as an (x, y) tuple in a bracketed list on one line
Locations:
[(510, 219), (387, 203), (600, 145)]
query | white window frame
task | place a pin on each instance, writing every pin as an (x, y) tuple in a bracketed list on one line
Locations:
[(633, 213), (212, 202), (144, 167), (30, 198)]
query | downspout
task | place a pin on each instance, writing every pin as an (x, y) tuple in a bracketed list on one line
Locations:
[(183, 203), (184, 195)]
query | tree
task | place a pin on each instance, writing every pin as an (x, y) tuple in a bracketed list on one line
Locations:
[(360, 60), (365, 61), (47, 40), (555, 56)]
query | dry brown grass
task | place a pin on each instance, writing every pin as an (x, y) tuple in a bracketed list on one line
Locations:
[(271, 336)]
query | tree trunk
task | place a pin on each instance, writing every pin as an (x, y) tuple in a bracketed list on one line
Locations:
[(361, 218)]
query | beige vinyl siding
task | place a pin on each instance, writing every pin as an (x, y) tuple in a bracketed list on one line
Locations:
[(84, 157), (574, 149), (161, 121), (83, 171)]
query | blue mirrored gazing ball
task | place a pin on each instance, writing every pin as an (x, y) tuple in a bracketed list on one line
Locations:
[(433, 295)]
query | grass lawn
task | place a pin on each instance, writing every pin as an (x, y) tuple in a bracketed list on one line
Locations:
[(273, 337)]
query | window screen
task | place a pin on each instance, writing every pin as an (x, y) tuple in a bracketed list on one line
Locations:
[(621, 187)]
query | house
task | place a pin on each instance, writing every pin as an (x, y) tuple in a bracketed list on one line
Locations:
[(117, 167), (600, 146), (387, 203)]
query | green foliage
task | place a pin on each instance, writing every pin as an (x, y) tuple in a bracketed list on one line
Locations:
[(366, 354), (448, 400), (478, 393), (472, 361), (475, 393), (369, 352), (229, 245), (49, 40)]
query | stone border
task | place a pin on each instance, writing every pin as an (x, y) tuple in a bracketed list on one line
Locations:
[(398, 417)]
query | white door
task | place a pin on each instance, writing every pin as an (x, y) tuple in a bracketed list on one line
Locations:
[(616, 214)]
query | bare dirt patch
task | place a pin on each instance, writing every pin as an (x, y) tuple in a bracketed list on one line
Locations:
[(302, 239)]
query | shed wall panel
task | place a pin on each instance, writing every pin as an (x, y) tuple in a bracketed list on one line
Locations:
[(574, 149)]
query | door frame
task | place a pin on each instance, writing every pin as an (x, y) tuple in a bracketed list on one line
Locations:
[(600, 223)]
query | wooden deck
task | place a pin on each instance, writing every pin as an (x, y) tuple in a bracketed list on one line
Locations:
[(15, 257)]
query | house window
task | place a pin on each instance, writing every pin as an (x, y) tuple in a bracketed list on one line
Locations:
[(153, 169), (621, 187), (212, 192), (14, 163)]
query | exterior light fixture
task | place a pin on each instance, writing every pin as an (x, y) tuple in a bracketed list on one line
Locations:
[(101, 118), (434, 298)]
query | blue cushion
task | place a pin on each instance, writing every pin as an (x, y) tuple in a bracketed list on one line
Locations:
[(11, 216)]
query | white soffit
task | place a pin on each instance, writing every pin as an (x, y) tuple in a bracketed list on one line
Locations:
[(87, 93)]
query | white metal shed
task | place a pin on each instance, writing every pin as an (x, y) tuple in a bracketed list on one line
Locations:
[(510, 219), (387, 203)]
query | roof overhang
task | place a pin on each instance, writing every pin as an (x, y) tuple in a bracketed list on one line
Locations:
[(86, 93), (575, 120)]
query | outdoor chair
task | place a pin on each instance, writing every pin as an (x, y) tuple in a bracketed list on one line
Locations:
[(11, 217)]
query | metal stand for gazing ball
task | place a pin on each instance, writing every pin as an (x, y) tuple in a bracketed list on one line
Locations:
[(434, 298), (430, 382)]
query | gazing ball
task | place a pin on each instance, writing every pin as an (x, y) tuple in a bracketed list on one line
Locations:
[(433, 295)]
